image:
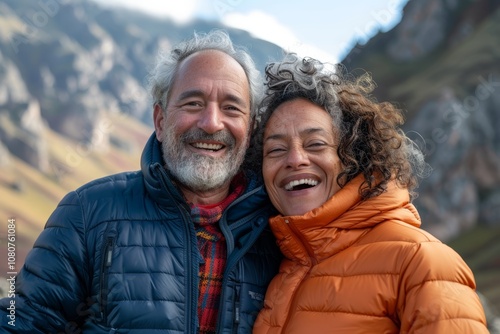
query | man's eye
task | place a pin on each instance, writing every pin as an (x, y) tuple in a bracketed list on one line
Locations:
[(192, 105), (233, 110)]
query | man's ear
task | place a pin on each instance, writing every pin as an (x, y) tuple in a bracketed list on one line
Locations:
[(158, 116)]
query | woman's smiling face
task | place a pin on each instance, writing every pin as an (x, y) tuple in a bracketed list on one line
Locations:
[(300, 161)]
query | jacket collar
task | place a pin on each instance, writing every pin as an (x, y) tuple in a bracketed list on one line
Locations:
[(339, 222), (156, 178)]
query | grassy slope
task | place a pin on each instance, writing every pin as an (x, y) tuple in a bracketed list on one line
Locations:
[(72, 165)]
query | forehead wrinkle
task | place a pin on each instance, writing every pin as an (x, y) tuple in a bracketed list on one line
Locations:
[(190, 93), (308, 131), (236, 99), (274, 137), (312, 131)]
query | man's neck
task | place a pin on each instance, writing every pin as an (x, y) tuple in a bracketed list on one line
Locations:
[(206, 198)]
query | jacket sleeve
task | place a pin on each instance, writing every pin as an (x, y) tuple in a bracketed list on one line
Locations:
[(51, 286), (438, 293)]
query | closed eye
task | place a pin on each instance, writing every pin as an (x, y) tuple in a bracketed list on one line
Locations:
[(274, 152), (316, 145)]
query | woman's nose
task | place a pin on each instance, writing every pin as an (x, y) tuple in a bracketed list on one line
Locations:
[(211, 119), (297, 157)]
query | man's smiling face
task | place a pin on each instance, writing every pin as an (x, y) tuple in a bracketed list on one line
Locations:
[(205, 127)]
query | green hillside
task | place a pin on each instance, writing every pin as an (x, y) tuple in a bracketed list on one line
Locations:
[(29, 195)]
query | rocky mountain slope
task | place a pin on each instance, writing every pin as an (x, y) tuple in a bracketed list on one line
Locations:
[(441, 64)]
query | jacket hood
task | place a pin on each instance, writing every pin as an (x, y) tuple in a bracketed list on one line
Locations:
[(341, 220)]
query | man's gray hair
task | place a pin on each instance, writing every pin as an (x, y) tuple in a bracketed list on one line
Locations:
[(162, 76)]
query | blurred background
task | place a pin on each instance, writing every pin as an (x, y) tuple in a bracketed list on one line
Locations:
[(73, 103)]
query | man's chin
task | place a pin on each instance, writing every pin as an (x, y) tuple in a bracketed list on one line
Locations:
[(204, 182), (203, 187)]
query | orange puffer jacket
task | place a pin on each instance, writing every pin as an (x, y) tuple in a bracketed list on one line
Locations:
[(355, 266)]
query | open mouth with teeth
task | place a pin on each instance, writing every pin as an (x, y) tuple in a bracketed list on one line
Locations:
[(210, 147), (300, 184)]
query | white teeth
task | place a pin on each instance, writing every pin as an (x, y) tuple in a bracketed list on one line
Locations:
[(295, 183), (205, 146)]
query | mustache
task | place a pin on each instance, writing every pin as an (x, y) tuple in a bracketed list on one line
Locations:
[(223, 136)]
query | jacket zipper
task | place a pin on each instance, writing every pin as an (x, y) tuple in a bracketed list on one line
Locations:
[(230, 264), (106, 264), (192, 303), (236, 317), (237, 307)]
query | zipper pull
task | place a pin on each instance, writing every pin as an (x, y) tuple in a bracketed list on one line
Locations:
[(109, 254), (237, 305)]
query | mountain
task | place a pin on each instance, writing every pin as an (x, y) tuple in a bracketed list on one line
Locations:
[(73, 107), (440, 64)]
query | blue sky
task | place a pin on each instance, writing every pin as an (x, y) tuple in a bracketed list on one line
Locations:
[(325, 29)]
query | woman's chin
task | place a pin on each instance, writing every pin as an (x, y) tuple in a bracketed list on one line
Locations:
[(298, 210)]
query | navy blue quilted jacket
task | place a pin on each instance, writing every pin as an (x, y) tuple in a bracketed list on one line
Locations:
[(119, 255)]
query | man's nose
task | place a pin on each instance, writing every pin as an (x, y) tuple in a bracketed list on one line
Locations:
[(211, 119)]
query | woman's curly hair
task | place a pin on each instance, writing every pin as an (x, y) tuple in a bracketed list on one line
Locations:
[(370, 139)]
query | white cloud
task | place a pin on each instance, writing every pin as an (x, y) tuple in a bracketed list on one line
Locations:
[(261, 25), (180, 13), (266, 27)]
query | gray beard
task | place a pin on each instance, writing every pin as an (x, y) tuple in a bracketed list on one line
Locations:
[(201, 173)]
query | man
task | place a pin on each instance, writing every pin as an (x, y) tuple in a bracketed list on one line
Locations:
[(181, 246)]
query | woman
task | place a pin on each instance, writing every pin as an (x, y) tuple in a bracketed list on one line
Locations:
[(341, 173)]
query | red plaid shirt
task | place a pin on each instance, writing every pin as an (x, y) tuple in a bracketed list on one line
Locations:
[(212, 246)]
